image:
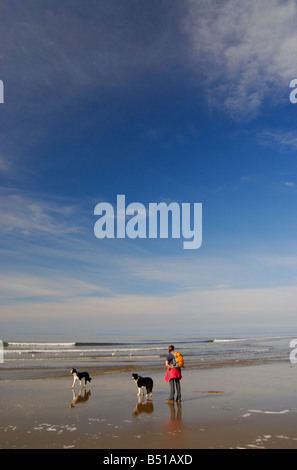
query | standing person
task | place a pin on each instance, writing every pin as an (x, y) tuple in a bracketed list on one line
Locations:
[(173, 376)]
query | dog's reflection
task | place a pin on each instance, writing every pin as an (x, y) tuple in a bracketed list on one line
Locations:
[(80, 397), (144, 405)]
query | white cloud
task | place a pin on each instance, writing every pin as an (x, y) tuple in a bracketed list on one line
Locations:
[(245, 50)]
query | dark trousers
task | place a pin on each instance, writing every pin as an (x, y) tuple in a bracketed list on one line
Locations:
[(174, 385)]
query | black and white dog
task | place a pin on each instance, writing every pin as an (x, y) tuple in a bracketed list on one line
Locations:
[(143, 383), (79, 376)]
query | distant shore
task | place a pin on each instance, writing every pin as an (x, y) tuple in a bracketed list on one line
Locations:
[(224, 407)]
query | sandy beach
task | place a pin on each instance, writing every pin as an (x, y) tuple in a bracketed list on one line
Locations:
[(237, 407)]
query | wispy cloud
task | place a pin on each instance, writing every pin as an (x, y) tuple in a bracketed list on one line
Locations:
[(244, 50), (15, 287), (5, 164), (221, 309), (68, 47), (30, 214), (177, 274), (284, 140), (238, 53)]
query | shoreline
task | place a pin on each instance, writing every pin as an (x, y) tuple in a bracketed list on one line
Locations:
[(222, 408), (54, 371)]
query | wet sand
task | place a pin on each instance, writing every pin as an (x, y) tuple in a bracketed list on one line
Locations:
[(222, 408)]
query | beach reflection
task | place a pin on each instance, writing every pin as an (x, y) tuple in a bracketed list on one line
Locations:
[(80, 397), (144, 405)]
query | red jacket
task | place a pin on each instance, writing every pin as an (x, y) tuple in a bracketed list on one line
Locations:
[(172, 374)]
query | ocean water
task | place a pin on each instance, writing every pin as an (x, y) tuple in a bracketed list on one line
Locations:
[(36, 357)]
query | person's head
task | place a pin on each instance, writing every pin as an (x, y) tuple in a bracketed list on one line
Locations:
[(171, 348)]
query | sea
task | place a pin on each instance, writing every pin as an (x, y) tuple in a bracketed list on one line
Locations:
[(46, 357)]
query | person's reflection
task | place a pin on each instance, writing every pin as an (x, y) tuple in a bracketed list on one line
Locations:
[(143, 406), (175, 413), (174, 424), (80, 397)]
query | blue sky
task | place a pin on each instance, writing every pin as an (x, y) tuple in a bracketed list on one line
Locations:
[(163, 101)]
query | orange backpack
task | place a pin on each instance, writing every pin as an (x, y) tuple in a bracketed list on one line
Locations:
[(178, 360)]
